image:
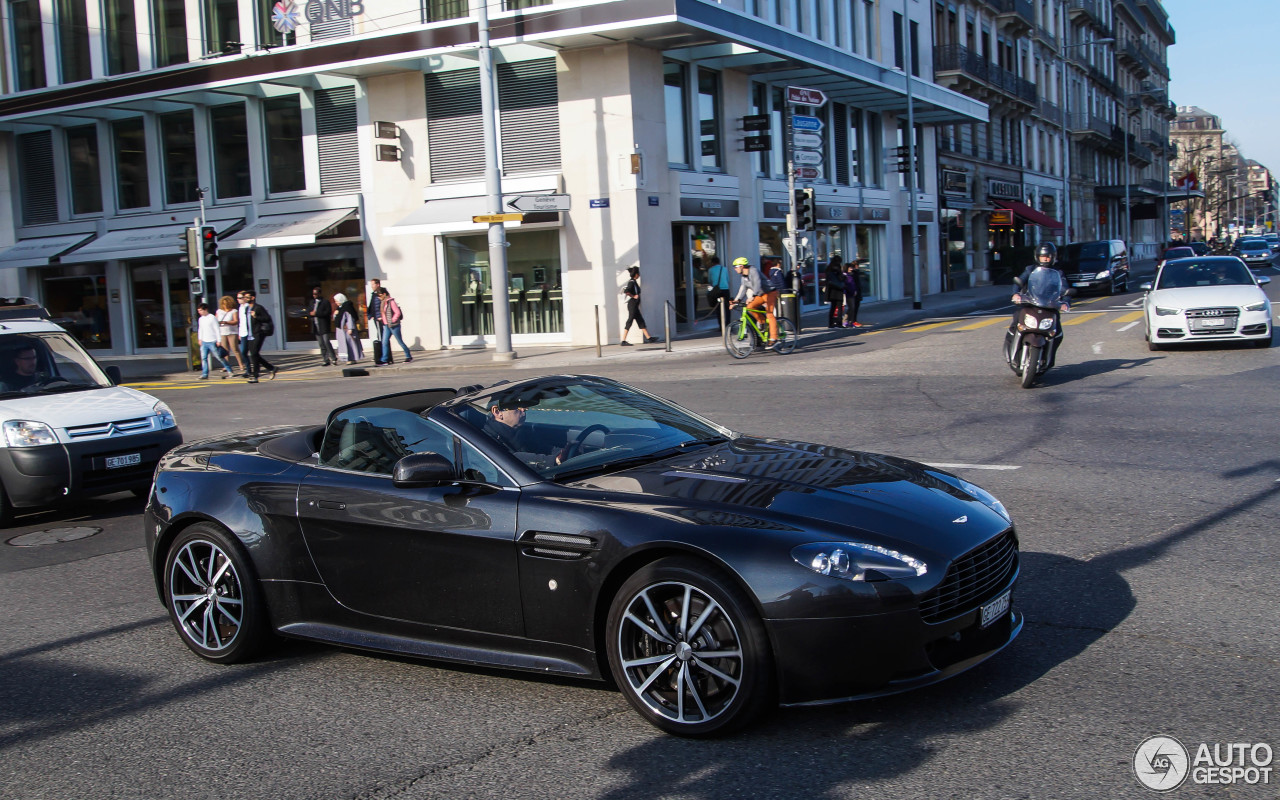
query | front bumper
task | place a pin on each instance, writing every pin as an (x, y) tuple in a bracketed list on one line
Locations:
[(38, 476), (1248, 326)]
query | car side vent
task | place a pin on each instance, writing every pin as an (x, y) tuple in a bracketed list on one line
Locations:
[(563, 546)]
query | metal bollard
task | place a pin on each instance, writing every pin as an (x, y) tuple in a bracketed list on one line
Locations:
[(724, 321), (598, 333), (667, 311)]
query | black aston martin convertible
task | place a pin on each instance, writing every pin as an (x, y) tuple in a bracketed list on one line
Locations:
[(579, 526)]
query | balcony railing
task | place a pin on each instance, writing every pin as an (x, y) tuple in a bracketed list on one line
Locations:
[(1050, 112), (1088, 123), (1023, 8), (1093, 9), (957, 57)]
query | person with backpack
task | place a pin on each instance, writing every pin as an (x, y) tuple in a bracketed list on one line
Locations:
[(775, 281), (260, 326), (756, 294)]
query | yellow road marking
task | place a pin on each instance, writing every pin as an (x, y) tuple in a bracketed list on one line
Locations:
[(928, 327), (1082, 318), (983, 323), (1130, 317)]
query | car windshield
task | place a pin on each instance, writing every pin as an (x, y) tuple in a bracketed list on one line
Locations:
[(567, 427), (1076, 252), (46, 363), (1254, 244), (1179, 252), (1189, 273)]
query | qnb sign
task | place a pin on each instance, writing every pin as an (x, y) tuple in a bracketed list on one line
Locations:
[(332, 10)]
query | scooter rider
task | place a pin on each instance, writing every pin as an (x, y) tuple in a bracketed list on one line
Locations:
[(1046, 257)]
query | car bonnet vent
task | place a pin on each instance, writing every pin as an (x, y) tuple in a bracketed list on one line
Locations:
[(565, 546)]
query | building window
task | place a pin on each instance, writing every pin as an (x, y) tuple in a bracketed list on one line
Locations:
[(334, 268), (516, 5), (130, 137), (285, 169), (534, 289), (230, 151), (674, 91), (222, 26), (35, 176), (73, 41), (874, 172), (869, 28), (76, 296), (170, 27), (760, 105), (86, 175), (529, 116), (710, 143), (28, 44), (121, 35), (440, 10), (777, 117), (178, 140), (268, 36)]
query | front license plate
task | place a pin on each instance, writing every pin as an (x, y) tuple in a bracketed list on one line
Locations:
[(1078, 285), (124, 461), (1213, 323), (995, 609)]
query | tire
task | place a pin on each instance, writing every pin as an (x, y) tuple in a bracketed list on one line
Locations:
[(787, 336), (660, 620), (738, 342), (141, 493), (1261, 343), (213, 596), (1030, 362), (6, 509)]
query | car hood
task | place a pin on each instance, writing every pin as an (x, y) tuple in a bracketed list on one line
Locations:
[(72, 409), (821, 493), (1206, 296)]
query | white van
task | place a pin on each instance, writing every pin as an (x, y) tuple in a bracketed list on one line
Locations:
[(66, 428)]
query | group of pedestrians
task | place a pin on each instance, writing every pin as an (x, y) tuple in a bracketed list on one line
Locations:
[(843, 287), (339, 315), (238, 328)]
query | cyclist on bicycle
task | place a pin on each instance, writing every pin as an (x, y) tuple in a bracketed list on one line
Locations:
[(752, 291)]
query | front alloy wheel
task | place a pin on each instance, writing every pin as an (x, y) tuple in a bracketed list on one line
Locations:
[(688, 650), (213, 600)]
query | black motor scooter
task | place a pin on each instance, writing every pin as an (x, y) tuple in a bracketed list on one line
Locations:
[(1032, 341)]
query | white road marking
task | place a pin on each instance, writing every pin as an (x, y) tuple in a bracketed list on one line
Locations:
[(979, 466), (1127, 327), (1097, 348)]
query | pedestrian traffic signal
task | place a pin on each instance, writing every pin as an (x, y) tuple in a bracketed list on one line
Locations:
[(805, 211), (192, 237), (209, 241)]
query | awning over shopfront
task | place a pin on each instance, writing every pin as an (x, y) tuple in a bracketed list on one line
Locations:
[(161, 240), (287, 230), (40, 252), (1029, 214)]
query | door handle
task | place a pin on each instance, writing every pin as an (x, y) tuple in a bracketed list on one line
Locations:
[(333, 504)]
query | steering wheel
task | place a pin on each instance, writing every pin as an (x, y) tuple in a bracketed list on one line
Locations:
[(575, 447)]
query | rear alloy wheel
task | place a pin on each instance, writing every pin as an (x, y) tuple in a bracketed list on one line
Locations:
[(688, 650), (214, 600)]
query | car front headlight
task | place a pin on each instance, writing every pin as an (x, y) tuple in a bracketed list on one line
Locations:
[(1106, 273), (1257, 306), (1167, 312), (28, 433), (161, 410), (857, 561)]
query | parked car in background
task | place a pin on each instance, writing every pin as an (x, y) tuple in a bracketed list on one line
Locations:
[(1096, 266), (1254, 252), (1206, 299)]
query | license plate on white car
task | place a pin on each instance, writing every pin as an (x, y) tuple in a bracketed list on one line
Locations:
[(1213, 323), (994, 610), (124, 461)]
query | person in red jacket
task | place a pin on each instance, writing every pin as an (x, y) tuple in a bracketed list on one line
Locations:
[(390, 316)]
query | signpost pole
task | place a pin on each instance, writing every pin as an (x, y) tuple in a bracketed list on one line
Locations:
[(789, 135), (911, 160), (493, 188)]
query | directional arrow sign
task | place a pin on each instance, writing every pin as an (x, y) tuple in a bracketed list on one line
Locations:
[(807, 157), (539, 202), (491, 218), (800, 122), (805, 97), (808, 173), (808, 141)]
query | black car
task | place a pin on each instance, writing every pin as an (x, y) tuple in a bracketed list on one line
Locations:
[(577, 526), (1096, 266)]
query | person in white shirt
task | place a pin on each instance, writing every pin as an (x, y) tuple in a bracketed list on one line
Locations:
[(245, 329), (209, 332)]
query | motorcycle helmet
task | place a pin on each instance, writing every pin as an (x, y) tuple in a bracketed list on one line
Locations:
[(742, 261), (1047, 249)]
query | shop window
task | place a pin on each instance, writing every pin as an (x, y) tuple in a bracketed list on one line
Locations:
[(440, 10), (178, 138), (86, 175), (285, 170), (121, 36), (161, 304), (169, 23), (76, 298), (28, 44), (35, 174), (710, 143), (73, 41), (230, 151), (334, 268), (516, 5), (130, 137), (533, 291), (222, 26), (675, 82), (235, 272)]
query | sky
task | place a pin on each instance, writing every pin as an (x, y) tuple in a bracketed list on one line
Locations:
[(1227, 61)]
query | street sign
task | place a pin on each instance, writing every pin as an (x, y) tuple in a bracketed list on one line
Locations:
[(539, 202), (807, 157), (801, 96), (809, 173), (497, 218), (807, 141), (800, 122)]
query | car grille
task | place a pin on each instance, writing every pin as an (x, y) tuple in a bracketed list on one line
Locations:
[(972, 579), (1205, 321), (102, 430)]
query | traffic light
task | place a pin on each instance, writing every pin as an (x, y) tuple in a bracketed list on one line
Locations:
[(209, 241), (192, 236), (805, 211)]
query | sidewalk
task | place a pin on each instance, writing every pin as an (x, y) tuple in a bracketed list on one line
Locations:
[(874, 315)]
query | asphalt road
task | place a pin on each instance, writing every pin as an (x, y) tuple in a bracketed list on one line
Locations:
[(1145, 490)]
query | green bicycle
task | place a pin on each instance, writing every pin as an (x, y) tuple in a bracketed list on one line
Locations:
[(750, 331)]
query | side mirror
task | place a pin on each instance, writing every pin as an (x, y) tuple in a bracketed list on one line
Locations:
[(1146, 287), (113, 372), (422, 469), (1017, 282)]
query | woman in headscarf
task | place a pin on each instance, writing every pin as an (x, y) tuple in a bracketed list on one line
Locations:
[(345, 324)]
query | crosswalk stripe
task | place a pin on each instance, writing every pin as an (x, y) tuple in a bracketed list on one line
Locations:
[(1130, 317), (1081, 318), (929, 327), (982, 323)]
